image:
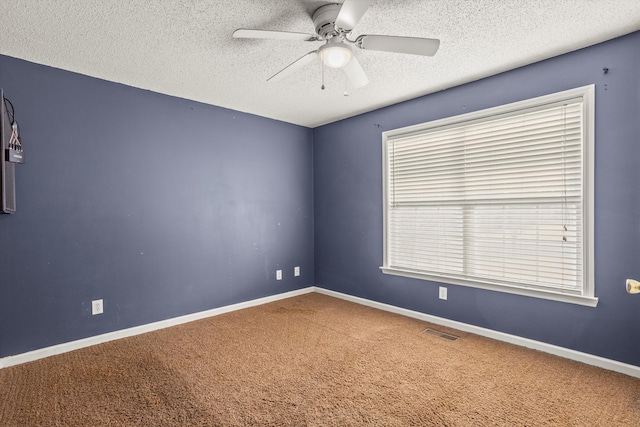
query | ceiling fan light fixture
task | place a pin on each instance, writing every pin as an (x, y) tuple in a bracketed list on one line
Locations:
[(335, 54)]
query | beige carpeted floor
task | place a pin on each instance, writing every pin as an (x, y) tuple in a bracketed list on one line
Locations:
[(312, 361)]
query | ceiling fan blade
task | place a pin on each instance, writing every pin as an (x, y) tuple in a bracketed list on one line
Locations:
[(294, 66), (355, 73), (412, 45), (243, 33), (351, 12)]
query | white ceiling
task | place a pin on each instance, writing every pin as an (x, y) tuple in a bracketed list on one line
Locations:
[(184, 47)]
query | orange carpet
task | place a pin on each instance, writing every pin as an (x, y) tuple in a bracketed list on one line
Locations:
[(312, 360)]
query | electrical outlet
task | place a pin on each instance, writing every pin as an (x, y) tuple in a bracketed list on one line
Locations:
[(96, 307), (278, 274), (442, 293), (296, 271)]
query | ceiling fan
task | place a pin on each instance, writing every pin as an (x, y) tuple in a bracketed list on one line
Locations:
[(333, 24)]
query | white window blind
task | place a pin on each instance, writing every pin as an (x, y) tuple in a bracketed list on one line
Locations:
[(494, 199)]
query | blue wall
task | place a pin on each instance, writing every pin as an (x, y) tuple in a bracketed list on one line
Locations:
[(158, 205), (164, 207), (348, 205)]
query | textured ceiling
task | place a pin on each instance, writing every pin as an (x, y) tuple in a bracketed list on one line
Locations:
[(184, 47)]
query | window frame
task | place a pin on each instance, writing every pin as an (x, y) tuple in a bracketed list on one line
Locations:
[(587, 93)]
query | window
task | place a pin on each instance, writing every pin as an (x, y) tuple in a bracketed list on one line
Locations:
[(500, 199)]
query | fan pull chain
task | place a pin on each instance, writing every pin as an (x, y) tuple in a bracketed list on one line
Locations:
[(322, 66)]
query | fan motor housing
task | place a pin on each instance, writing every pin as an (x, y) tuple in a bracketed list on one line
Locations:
[(324, 20)]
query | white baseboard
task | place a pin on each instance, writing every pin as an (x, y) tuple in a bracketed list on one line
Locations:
[(589, 359), (98, 339)]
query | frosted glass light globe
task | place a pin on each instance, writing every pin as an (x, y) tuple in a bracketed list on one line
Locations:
[(335, 55)]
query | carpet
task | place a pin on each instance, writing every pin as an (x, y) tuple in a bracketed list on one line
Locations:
[(313, 360)]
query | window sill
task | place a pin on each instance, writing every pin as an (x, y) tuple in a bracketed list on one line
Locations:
[(535, 293)]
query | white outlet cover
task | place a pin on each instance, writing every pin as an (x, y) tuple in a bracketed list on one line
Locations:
[(278, 274), (443, 292), (296, 271), (97, 307)]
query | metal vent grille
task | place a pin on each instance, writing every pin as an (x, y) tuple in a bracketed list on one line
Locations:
[(440, 334)]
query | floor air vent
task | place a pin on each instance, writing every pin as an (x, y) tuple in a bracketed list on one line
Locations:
[(440, 334)]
